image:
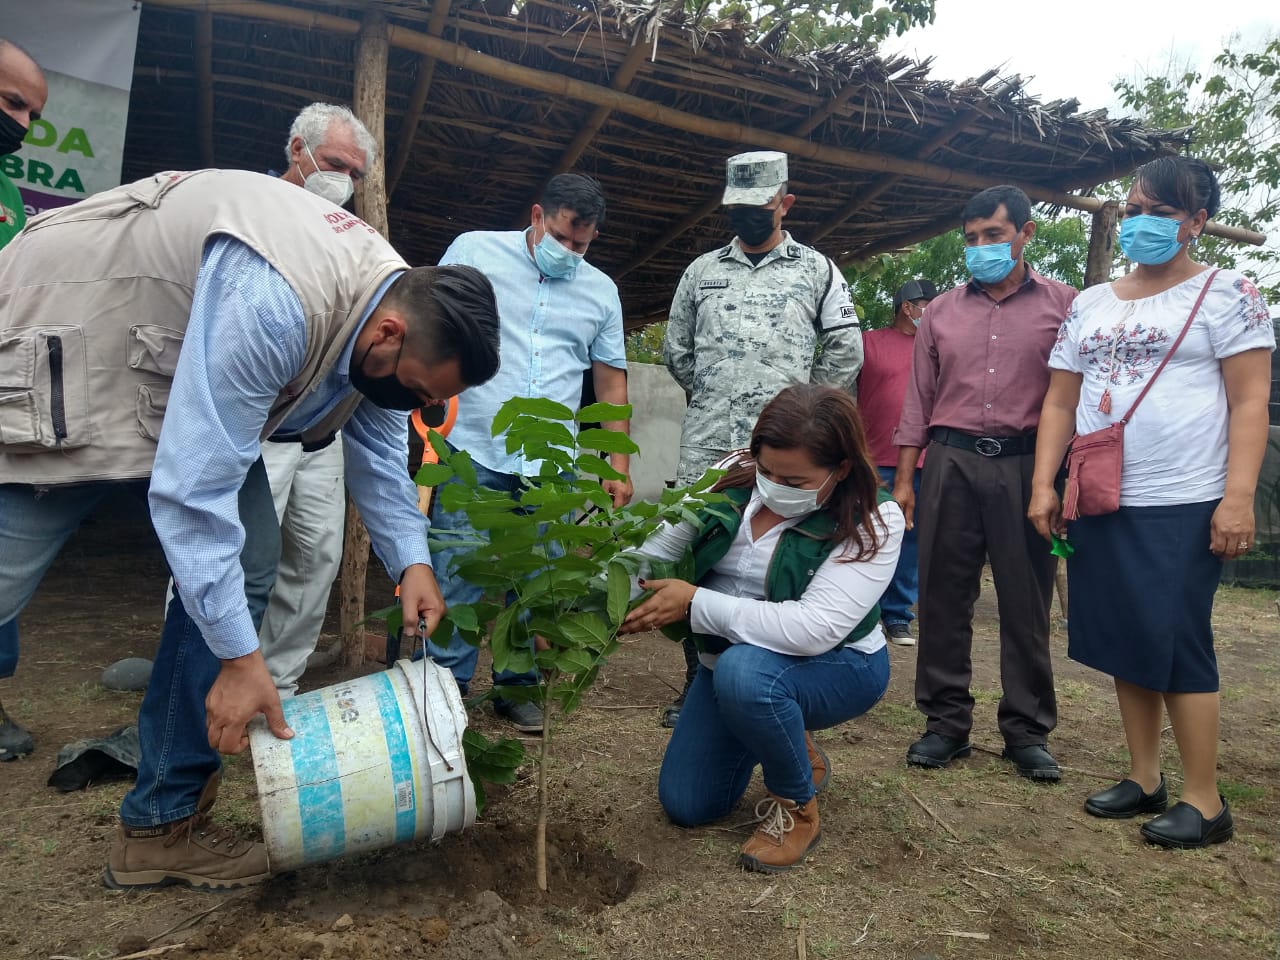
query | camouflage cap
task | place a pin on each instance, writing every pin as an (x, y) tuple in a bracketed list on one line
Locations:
[(753, 179)]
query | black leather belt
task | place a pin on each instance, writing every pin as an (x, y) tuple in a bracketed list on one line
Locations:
[(308, 446), (987, 446)]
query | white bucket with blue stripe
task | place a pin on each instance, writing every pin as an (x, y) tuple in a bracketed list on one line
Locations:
[(374, 761)]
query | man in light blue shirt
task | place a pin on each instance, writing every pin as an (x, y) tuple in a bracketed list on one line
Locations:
[(560, 316), (283, 321)]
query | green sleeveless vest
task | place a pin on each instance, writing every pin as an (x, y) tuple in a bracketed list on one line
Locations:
[(800, 551)]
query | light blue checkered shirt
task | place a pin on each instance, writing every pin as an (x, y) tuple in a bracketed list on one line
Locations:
[(246, 340), (552, 330)]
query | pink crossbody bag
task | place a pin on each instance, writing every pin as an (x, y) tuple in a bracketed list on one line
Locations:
[(1095, 460)]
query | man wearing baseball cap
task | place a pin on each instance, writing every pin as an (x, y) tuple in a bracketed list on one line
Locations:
[(747, 320), (882, 386)]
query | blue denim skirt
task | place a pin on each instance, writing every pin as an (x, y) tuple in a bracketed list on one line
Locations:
[(1140, 593)]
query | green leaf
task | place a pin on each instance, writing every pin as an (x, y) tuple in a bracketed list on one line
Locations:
[(490, 761), (432, 474), (575, 660), (603, 412), (610, 441), (528, 406), (501, 641), (585, 629), (590, 463), (436, 439), (464, 617), (619, 592), (463, 467)]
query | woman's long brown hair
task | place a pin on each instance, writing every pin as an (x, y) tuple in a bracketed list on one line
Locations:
[(824, 422)]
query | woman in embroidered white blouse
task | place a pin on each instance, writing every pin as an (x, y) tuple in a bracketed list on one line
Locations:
[(1142, 579)]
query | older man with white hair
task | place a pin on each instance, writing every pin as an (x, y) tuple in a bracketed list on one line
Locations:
[(328, 150)]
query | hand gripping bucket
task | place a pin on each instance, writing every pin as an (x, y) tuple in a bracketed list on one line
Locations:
[(374, 761)]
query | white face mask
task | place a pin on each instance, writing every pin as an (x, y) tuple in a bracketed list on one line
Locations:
[(333, 186), (786, 501)]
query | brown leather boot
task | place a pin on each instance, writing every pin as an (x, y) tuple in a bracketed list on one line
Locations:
[(819, 761), (787, 832), (194, 851)]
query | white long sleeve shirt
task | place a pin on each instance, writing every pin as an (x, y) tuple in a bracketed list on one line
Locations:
[(731, 602)]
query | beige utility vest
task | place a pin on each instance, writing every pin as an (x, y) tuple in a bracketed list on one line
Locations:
[(95, 298)]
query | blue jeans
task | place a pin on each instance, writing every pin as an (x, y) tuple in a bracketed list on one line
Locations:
[(8, 649), (459, 657), (176, 757), (754, 708), (904, 589)]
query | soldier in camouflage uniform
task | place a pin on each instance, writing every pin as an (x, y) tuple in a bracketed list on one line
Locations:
[(747, 319)]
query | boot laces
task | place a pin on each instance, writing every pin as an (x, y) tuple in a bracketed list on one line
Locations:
[(776, 819), (198, 828)]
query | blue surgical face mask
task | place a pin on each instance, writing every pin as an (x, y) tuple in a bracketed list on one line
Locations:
[(991, 262), (787, 501), (1149, 239), (554, 259)]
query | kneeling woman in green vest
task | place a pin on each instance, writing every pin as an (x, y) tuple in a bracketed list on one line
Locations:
[(783, 606)]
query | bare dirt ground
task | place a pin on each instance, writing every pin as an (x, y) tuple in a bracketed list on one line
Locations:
[(972, 861)]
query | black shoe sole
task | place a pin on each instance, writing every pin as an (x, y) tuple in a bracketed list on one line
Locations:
[(937, 763), (1039, 774), (1129, 814), (1172, 844)]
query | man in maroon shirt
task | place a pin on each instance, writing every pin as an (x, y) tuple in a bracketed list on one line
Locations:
[(882, 385), (979, 373)]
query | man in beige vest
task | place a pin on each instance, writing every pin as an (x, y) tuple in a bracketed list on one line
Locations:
[(163, 330)]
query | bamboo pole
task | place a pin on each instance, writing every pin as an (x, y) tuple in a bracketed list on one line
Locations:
[(417, 100), (204, 86), (463, 57), (1102, 238), (621, 81), (712, 202), (370, 106)]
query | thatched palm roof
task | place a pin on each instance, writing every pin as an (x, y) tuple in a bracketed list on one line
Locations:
[(637, 95)]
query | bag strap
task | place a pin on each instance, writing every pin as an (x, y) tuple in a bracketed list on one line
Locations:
[(1169, 356)]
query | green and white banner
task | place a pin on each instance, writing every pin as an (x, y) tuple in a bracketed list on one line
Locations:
[(85, 48)]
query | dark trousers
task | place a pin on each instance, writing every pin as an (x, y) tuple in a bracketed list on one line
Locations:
[(972, 508)]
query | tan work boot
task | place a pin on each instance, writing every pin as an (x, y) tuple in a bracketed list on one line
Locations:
[(787, 832), (819, 761), (194, 851)]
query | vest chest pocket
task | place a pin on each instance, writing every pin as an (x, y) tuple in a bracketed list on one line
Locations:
[(153, 400), (153, 349), (44, 390)]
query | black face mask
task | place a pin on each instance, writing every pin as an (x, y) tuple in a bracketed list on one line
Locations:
[(753, 225), (11, 134), (386, 392)]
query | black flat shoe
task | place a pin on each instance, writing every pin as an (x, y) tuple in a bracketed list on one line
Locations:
[(1034, 761), (1185, 828), (1126, 800), (935, 750)]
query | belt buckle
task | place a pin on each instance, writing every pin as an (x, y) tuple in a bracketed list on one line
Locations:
[(988, 446)]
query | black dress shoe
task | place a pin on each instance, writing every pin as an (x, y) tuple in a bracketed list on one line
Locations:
[(1185, 828), (1126, 800), (935, 750), (1034, 761)]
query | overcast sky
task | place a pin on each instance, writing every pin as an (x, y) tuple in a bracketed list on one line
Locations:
[(1078, 49)]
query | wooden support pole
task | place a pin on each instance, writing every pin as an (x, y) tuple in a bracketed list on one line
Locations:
[(417, 100), (712, 203), (370, 107), (204, 87), (621, 81), (1102, 240), (565, 87)]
